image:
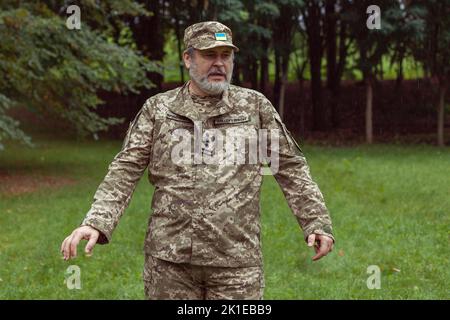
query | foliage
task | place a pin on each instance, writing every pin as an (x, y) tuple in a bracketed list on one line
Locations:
[(53, 70), (432, 46), (371, 44)]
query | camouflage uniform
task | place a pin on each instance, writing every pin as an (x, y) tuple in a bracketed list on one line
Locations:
[(204, 214), (165, 280)]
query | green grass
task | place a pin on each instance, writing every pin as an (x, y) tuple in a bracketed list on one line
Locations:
[(390, 205)]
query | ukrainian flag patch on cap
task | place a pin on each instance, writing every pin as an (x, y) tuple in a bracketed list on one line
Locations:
[(220, 36)]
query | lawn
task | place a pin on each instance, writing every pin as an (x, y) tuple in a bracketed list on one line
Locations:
[(390, 205)]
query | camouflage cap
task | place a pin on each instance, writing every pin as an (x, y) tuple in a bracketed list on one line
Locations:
[(207, 35)]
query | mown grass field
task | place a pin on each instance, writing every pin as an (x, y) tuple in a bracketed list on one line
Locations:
[(390, 205)]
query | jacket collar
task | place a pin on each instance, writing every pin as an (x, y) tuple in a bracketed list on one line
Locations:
[(184, 106)]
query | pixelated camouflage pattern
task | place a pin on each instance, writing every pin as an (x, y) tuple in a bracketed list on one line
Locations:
[(202, 36), (204, 105), (164, 280), (205, 214)]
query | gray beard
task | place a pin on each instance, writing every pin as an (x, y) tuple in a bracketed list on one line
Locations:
[(211, 88)]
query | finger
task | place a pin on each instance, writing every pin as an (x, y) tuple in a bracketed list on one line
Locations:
[(63, 244), (91, 243), (74, 243), (67, 247), (331, 245), (62, 249), (323, 250), (317, 244), (311, 239)]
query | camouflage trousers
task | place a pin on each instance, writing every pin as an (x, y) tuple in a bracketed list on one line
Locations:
[(165, 280)]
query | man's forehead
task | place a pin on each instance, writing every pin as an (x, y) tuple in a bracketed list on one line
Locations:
[(217, 50)]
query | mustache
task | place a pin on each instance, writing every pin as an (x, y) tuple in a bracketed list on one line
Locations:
[(217, 73)]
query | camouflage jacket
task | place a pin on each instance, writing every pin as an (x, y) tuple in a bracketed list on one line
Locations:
[(204, 214)]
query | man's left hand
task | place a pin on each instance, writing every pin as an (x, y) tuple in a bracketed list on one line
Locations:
[(322, 245)]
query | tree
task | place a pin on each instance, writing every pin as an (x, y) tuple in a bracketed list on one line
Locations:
[(408, 29), (432, 48), (284, 27), (312, 17), (148, 34), (337, 48), (53, 70), (266, 12), (371, 44), (233, 14), (300, 62)]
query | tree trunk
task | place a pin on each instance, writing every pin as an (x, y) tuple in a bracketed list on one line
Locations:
[(237, 74), (254, 74), (332, 68), (180, 53), (320, 115), (399, 80), (441, 114), (299, 71), (264, 67), (277, 84), (149, 36), (380, 69), (281, 100), (245, 70), (284, 81), (302, 106), (369, 120), (331, 42), (340, 67), (264, 77)]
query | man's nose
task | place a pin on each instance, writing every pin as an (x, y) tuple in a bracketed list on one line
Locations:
[(219, 61)]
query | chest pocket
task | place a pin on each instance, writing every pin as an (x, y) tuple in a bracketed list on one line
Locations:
[(166, 137), (240, 130), (175, 120), (170, 133)]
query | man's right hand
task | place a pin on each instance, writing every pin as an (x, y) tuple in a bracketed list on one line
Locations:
[(69, 245)]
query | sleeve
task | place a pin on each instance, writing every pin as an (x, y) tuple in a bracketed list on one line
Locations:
[(114, 192), (293, 176)]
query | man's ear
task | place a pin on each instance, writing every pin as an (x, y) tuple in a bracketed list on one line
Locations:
[(186, 60)]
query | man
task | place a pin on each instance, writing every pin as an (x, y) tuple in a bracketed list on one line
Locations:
[(203, 238)]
